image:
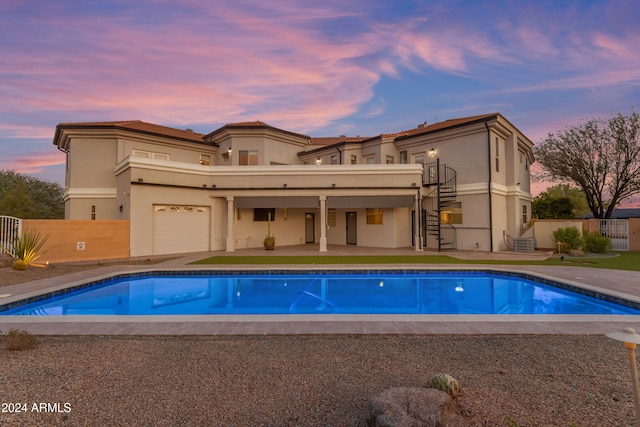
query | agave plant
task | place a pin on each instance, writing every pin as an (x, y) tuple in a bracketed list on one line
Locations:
[(27, 247)]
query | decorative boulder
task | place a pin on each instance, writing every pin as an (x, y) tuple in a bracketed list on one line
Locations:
[(413, 407), (576, 252)]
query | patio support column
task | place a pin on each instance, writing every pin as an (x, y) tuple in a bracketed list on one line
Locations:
[(417, 243), (323, 223), (231, 221)]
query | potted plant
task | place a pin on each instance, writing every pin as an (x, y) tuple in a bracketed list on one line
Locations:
[(270, 239)]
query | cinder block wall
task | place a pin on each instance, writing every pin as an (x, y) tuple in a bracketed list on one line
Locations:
[(81, 240)]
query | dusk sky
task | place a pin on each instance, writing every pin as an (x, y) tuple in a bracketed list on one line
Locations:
[(358, 67)]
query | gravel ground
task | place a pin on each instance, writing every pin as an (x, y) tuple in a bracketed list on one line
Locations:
[(313, 380), (307, 380)]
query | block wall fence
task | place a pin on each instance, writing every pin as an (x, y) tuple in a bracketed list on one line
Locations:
[(81, 240)]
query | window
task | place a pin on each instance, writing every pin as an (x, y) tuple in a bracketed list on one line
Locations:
[(403, 157), (264, 214), (374, 216), (370, 160), (354, 160), (149, 155), (418, 158), (452, 214), (248, 157), (205, 159), (497, 154), (331, 217), (525, 215), (334, 160), (93, 212), (389, 160)]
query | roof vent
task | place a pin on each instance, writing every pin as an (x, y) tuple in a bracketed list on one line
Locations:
[(422, 125), (190, 131)]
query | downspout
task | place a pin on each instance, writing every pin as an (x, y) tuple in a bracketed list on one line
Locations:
[(489, 188), (338, 150)]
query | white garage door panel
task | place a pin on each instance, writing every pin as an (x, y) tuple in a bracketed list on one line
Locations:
[(179, 229)]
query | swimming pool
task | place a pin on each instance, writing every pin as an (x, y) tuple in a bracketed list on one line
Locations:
[(321, 292)]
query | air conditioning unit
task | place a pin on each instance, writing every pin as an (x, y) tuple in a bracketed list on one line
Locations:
[(524, 244)]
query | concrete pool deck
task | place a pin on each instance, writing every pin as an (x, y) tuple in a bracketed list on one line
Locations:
[(625, 284)]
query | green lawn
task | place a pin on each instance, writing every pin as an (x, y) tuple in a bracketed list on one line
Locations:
[(625, 260)]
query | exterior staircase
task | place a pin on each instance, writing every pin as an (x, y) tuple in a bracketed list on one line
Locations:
[(441, 179)]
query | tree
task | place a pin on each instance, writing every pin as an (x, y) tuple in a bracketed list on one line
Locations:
[(547, 207), (602, 157), (580, 207), (27, 197)]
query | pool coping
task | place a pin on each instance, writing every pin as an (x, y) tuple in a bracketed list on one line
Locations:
[(413, 324)]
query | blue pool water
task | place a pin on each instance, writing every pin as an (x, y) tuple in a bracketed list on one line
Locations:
[(321, 292)]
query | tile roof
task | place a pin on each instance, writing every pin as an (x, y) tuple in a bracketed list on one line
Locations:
[(445, 125), (337, 139), (319, 143), (138, 126), (257, 124)]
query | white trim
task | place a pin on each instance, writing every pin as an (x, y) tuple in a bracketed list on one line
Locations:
[(261, 171), (90, 193)]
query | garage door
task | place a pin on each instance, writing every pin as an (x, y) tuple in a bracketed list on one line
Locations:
[(179, 229)]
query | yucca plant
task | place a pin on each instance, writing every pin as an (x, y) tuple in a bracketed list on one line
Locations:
[(27, 247)]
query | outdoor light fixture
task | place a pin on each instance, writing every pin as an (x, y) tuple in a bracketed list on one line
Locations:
[(432, 152), (121, 208), (631, 338), (318, 161), (229, 151)]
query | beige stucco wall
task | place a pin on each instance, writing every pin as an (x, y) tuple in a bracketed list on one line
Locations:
[(81, 240), (544, 228)]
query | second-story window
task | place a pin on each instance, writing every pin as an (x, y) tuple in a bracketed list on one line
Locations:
[(497, 154), (248, 157), (334, 160), (403, 157), (354, 159), (205, 159), (389, 160)]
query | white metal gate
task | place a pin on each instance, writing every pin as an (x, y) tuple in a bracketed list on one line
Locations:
[(10, 230), (618, 231)]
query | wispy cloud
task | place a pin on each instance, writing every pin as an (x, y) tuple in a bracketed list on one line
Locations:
[(306, 66), (33, 163)]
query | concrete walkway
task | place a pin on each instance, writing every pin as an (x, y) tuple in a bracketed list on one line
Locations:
[(623, 284)]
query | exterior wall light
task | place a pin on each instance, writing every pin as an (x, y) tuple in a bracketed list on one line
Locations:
[(318, 161), (432, 153), (229, 151)]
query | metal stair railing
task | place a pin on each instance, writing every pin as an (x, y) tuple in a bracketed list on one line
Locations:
[(443, 195)]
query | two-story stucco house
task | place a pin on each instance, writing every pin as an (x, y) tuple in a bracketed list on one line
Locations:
[(183, 191)]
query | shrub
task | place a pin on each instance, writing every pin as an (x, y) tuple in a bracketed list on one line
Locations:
[(596, 243), (568, 238), (20, 340), (446, 383)]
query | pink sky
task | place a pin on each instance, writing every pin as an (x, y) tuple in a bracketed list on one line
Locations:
[(325, 69)]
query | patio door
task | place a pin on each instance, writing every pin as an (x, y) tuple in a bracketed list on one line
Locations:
[(352, 228), (309, 228)]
